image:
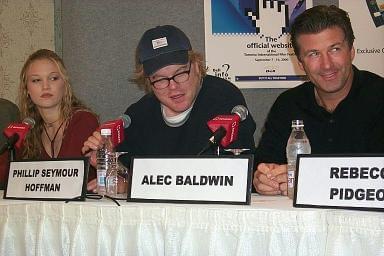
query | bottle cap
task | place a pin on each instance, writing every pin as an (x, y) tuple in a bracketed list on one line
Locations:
[(105, 131), (297, 123)]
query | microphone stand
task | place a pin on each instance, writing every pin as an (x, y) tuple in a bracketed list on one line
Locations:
[(12, 154), (217, 149), (10, 146), (215, 141)]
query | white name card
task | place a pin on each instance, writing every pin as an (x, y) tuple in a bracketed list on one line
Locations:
[(351, 182), (47, 180), (225, 180)]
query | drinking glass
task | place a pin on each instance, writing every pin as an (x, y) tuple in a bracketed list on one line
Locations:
[(123, 174), (236, 151)]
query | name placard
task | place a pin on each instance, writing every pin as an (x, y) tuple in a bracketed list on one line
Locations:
[(341, 181), (225, 180), (55, 179)]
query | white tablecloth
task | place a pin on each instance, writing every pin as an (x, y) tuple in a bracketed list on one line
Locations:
[(269, 226)]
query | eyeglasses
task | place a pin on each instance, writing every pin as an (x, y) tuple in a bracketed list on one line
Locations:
[(178, 78)]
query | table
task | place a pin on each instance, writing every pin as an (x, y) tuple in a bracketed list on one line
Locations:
[(269, 226)]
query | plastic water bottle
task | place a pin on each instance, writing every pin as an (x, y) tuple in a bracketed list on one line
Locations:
[(298, 143), (111, 178), (104, 160)]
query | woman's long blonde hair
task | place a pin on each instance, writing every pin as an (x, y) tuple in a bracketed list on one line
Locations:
[(32, 145)]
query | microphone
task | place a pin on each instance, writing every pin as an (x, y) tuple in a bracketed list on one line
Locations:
[(228, 123), (241, 111), (15, 133), (117, 128)]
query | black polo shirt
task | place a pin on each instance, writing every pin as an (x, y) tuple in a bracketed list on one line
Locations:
[(355, 126)]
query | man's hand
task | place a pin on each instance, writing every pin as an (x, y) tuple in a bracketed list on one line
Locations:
[(271, 179), (93, 143), (92, 186)]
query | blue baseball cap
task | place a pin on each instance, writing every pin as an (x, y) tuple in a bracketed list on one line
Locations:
[(162, 46)]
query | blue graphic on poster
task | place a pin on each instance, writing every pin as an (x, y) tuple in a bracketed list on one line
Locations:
[(263, 26), (251, 16)]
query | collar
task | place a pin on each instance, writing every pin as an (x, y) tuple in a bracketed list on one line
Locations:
[(353, 90), (180, 119)]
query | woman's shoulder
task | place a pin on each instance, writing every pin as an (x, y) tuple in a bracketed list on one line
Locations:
[(83, 116)]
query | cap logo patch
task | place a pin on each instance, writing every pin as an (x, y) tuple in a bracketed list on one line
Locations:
[(159, 42)]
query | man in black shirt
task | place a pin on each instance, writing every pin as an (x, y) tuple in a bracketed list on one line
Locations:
[(171, 119), (342, 107)]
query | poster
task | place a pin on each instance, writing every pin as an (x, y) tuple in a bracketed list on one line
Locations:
[(247, 41)]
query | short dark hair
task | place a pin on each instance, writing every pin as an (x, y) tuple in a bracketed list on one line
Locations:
[(318, 18)]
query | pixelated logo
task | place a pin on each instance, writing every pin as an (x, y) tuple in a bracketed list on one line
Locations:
[(258, 17), (222, 71)]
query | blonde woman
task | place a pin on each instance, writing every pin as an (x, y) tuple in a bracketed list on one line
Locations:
[(63, 123)]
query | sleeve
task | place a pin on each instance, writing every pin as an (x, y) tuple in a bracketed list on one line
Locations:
[(245, 138), (3, 168), (8, 113), (131, 136), (376, 133), (247, 127), (82, 125), (271, 147)]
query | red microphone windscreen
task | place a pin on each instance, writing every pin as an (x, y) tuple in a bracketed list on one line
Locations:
[(231, 125), (117, 130), (20, 129)]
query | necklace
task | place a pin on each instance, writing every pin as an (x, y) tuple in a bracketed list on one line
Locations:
[(52, 141), (51, 123)]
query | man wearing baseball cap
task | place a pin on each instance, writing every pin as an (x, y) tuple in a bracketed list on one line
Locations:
[(171, 119)]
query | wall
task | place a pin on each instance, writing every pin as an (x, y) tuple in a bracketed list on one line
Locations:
[(25, 26), (99, 40)]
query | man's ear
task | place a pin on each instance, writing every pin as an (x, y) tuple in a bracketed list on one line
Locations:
[(300, 64), (352, 52)]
